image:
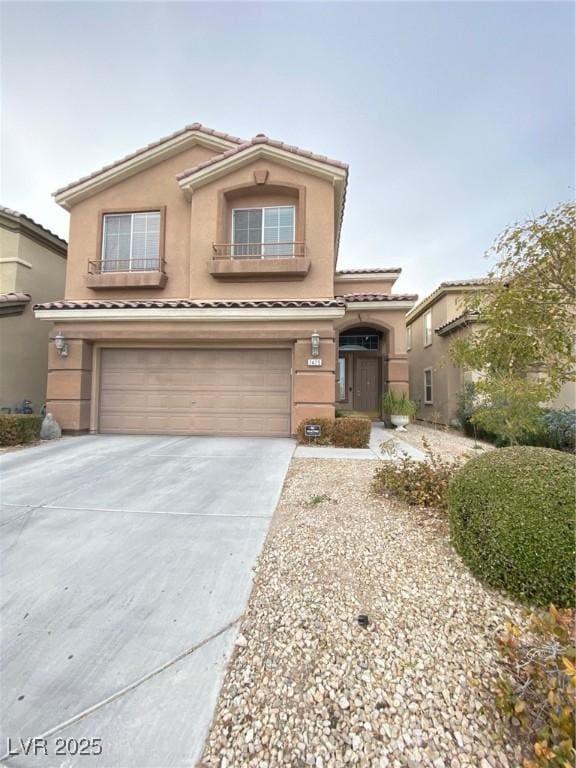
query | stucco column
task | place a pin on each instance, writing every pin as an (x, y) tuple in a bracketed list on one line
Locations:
[(397, 374), (314, 386), (70, 384)]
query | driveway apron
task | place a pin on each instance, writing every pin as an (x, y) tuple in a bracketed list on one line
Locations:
[(126, 564)]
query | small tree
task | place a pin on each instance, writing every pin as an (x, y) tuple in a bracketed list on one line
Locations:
[(527, 309)]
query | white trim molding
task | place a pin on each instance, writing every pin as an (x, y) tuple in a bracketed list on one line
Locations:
[(15, 260), (368, 277), (378, 305), (225, 166), (132, 165), (191, 314)]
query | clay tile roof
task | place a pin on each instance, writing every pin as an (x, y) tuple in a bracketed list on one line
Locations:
[(463, 319), (445, 287), (190, 304), (368, 271), (191, 127), (382, 297), (464, 283), (14, 298), (260, 139), (22, 217)]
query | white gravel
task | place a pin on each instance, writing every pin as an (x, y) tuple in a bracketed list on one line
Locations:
[(307, 686), (449, 443)]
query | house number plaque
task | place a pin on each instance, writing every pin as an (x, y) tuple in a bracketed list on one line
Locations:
[(315, 361)]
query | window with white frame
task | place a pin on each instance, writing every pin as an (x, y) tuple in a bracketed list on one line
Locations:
[(131, 241), (408, 337), (428, 386), (263, 232), (427, 329), (341, 378)]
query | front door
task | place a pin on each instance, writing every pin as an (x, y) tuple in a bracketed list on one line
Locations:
[(366, 384)]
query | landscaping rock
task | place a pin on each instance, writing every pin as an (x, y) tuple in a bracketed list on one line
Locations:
[(50, 428), (310, 686)]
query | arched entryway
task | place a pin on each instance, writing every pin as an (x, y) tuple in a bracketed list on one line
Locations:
[(361, 369)]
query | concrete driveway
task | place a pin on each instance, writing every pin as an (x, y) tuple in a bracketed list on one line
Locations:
[(126, 563)]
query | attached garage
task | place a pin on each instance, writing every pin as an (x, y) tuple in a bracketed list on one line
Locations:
[(195, 391)]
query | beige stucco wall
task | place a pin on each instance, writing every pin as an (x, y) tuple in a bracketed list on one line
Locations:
[(447, 378), (566, 398), (26, 266), (192, 226), (73, 382), (344, 285)]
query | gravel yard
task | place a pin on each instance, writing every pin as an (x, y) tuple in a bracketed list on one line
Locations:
[(308, 686), (447, 442)]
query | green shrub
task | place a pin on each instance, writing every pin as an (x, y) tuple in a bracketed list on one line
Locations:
[(398, 404), (345, 432), (538, 690), (418, 483), (512, 522), (19, 428), (351, 432), (326, 427)]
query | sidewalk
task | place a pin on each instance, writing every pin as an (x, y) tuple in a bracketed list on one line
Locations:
[(378, 435)]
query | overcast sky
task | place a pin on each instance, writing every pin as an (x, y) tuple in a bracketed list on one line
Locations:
[(456, 118)]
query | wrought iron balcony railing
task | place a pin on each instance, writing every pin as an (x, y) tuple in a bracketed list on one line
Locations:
[(103, 266), (258, 250)]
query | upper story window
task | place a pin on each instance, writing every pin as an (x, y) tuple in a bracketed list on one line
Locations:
[(131, 241), (263, 232), (408, 337), (427, 329)]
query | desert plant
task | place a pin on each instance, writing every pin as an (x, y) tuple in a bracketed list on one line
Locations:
[(351, 432), (561, 428), (538, 690), (512, 522), (19, 428), (418, 483), (398, 404)]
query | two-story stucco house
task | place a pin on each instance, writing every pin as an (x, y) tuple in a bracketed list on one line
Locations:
[(202, 295), (32, 269), (431, 328)]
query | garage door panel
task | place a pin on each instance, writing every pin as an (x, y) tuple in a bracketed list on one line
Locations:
[(196, 391)]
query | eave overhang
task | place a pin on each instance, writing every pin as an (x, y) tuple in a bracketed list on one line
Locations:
[(467, 318), (139, 161), (337, 175)]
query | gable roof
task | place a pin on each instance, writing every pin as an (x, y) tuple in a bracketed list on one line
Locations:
[(127, 166), (15, 220), (234, 152), (277, 151), (258, 140), (448, 286)]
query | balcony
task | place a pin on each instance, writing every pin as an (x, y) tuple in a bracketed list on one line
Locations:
[(126, 273), (264, 261)]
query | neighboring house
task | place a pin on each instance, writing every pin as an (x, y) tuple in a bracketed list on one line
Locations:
[(32, 269), (202, 295), (431, 328)]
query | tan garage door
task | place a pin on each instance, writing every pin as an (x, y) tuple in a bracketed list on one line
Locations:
[(196, 391)]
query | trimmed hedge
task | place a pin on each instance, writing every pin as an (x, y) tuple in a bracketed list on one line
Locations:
[(19, 428), (345, 432), (326, 426), (351, 432), (512, 522)]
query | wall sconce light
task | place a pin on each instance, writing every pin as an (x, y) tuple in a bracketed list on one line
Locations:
[(61, 344), (315, 344)]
